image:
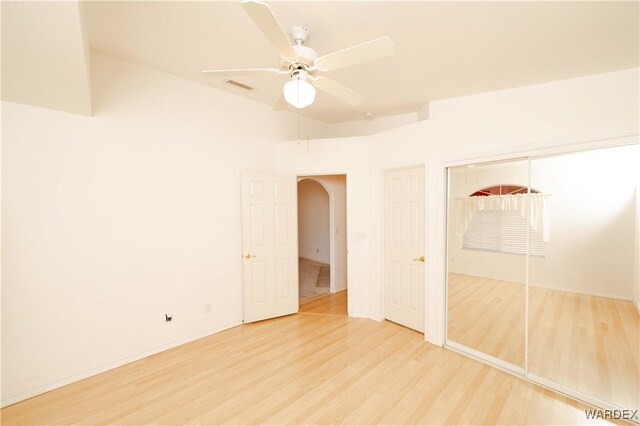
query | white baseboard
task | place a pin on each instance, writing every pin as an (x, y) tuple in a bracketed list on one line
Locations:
[(85, 374), (356, 314), (585, 293), (555, 288), (313, 260)]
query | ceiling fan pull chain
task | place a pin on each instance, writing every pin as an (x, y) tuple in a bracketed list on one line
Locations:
[(307, 138)]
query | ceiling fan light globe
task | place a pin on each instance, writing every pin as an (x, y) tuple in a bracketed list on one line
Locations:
[(299, 93)]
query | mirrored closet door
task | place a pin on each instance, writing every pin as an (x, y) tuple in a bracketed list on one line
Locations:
[(487, 260), (546, 251), (583, 322)]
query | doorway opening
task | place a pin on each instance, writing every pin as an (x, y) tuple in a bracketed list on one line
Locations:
[(322, 244)]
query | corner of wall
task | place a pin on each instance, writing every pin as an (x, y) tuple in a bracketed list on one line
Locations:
[(637, 248), (86, 45)]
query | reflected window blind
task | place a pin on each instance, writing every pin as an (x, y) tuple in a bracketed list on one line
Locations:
[(501, 231)]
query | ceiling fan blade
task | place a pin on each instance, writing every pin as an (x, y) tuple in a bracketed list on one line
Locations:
[(245, 71), (268, 24), (358, 54), (336, 89), (281, 103)]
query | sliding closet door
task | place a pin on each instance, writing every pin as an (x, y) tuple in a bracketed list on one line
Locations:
[(486, 244), (583, 275)]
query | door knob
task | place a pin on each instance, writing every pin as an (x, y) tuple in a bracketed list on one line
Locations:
[(419, 259), (249, 256)]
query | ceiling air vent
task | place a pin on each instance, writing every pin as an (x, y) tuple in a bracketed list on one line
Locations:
[(240, 85)]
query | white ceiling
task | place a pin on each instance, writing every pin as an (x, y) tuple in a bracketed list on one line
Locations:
[(45, 56), (443, 49)]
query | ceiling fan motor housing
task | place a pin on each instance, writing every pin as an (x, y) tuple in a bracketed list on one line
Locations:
[(306, 55), (299, 34)]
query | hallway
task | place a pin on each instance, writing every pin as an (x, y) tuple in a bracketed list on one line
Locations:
[(314, 279)]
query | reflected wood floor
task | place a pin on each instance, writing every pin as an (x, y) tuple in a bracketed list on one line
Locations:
[(487, 315), (327, 304), (587, 343), (302, 369), (590, 344)]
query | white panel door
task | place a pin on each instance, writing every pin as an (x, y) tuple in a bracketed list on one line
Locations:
[(270, 245), (404, 247)]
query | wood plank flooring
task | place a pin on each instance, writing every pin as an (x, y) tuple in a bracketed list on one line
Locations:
[(587, 343), (327, 304), (302, 369)]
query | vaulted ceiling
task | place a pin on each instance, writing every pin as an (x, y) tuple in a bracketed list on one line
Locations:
[(442, 49), (45, 55)]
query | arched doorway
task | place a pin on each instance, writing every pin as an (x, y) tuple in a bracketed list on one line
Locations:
[(322, 239), (313, 239)]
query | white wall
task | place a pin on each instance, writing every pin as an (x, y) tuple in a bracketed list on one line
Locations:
[(593, 108), (336, 186), (313, 221), (592, 217), (111, 221), (45, 55), (367, 127), (636, 296)]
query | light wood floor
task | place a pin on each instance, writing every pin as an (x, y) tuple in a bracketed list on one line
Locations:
[(587, 343), (313, 279), (327, 304), (302, 369)]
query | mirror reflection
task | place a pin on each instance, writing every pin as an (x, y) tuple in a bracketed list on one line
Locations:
[(487, 245), (583, 322), (550, 246)]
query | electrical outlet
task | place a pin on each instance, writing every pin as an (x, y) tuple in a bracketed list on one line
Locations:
[(168, 317), (317, 250), (207, 308)]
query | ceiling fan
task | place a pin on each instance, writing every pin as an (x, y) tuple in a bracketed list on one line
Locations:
[(302, 64)]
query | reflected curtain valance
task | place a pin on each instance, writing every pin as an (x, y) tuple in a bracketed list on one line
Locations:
[(536, 204)]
